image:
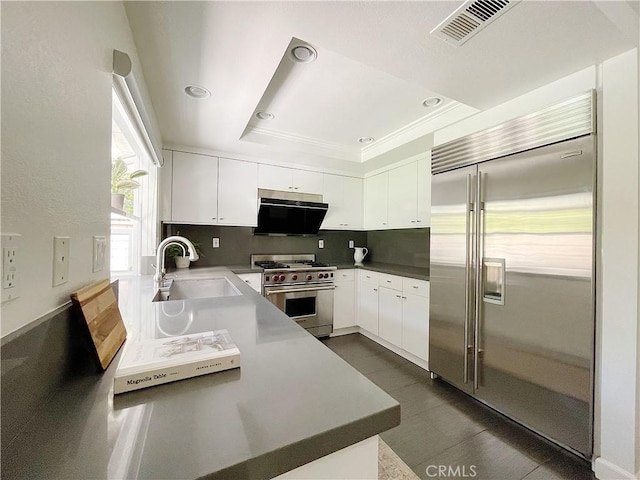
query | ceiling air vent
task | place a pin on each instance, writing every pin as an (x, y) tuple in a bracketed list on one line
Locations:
[(470, 18)]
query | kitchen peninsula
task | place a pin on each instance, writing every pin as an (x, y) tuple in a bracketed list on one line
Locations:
[(292, 402)]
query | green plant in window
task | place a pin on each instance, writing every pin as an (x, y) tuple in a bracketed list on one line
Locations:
[(123, 181)]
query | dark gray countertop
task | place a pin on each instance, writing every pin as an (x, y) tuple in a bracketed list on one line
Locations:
[(393, 269), (292, 401)]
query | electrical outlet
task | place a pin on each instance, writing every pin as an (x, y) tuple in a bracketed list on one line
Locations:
[(10, 266), (351, 244), (320, 243), (9, 262), (99, 252), (61, 249), (216, 243)]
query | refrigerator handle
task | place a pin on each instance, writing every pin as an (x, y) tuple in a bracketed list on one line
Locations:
[(478, 280), (467, 269)]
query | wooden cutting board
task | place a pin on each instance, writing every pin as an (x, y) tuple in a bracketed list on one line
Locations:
[(99, 307)]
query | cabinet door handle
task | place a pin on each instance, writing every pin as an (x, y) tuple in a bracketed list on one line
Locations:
[(375, 289), (398, 296), (404, 298), (413, 221), (213, 218), (415, 286), (388, 281), (419, 221)]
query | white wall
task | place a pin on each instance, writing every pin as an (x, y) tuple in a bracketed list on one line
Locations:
[(617, 402), (56, 140), (620, 244)]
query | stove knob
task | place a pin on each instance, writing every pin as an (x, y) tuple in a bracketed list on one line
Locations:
[(294, 277), (309, 277), (322, 275), (282, 278)]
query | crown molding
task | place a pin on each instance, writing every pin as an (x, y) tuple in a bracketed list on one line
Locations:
[(446, 115), (331, 149)]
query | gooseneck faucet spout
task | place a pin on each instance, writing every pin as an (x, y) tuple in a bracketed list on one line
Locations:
[(160, 270)]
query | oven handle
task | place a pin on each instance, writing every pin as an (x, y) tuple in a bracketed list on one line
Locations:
[(293, 290)]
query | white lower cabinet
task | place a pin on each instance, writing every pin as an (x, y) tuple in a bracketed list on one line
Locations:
[(415, 325), (254, 280), (367, 292), (395, 309), (344, 299), (390, 315)]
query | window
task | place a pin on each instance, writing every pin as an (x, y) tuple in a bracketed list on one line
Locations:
[(134, 185)]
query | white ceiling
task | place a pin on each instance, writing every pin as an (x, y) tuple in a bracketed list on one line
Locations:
[(376, 63)]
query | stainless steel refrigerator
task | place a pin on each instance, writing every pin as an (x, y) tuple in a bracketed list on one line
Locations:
[(512, 269)]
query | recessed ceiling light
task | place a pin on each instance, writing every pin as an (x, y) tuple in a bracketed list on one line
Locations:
[(431, 102), (197, 91), (303, 53), (365, 140), (265, 116)]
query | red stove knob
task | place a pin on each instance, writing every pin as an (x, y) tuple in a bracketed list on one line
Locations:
[(282, 278), (309, 277), (294, 277)]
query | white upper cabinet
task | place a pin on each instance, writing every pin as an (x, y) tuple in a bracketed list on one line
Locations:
[(408, 197), (376, 201), (237, 193), (344, 196), (289, 179), (194, 189), (403, 196), (274, 178), (424, 192), (307, 182)]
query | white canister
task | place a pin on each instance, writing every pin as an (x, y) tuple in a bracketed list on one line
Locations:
[(359, 254)]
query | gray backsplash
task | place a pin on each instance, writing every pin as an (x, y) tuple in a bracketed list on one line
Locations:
[(403, 247), (408, 246)]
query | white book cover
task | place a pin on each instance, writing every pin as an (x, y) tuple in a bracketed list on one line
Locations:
[(153, 362)]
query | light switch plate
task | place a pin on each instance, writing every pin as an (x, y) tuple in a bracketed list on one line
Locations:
[(99, 252), (10, 256), (61, 249), (216, 243), (321, 243), (351, 244)]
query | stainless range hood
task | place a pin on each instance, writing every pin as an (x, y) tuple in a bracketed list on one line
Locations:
[(287, 213)]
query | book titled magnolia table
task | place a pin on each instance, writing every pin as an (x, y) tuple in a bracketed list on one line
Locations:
[(153, 362)]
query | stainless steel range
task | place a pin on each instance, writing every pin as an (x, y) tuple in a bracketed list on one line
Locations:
[(300, 287)]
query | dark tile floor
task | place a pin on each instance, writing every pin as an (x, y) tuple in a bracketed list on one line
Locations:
[(442, 428)]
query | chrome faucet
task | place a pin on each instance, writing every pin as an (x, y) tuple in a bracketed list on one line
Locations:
[(160, 270)]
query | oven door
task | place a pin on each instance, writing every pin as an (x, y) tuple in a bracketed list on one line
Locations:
[(311, 306)]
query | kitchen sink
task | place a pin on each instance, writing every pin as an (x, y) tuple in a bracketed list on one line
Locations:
[(197, 288)]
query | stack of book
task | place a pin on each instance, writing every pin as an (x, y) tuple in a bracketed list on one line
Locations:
[(153, 362)]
